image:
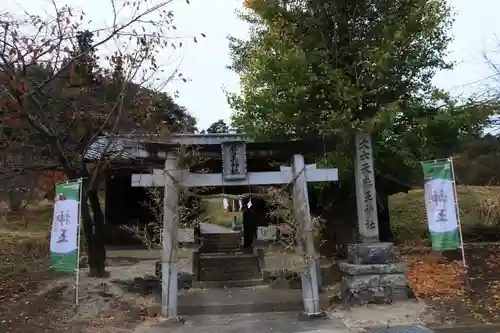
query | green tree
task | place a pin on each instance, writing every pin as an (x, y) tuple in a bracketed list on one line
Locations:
[(176, 117), (313, 68), (317, 67), (219, 126), (479, 161)]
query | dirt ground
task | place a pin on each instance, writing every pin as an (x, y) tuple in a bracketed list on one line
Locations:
[(45, 304), (33, 298), (31, 302), (102, 303)]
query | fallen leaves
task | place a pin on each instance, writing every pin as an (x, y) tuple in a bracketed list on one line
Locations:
[(149, 312), (493, 304), (457, 295), (430, 275)]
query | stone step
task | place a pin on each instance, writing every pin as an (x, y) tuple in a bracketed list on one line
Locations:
[(225, 267), (213, 243), (228, 274), (218, 249), (233, 259), (220, 236), (236, 267), (242, 300), (227, 284), (232, 242), (220, 243)]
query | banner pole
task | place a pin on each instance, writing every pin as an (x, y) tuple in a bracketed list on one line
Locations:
[(457, 212), (77, 282)]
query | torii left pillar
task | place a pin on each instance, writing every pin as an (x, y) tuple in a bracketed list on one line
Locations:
[(170, 232), (309, 278)]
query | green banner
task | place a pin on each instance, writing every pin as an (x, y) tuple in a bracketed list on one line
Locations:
[(64, 237), (441, 205)]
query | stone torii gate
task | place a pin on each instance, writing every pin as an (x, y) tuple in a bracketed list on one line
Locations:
[(234, 173)]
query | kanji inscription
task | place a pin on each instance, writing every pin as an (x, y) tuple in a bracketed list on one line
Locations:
[(234, 161), (365, 187)]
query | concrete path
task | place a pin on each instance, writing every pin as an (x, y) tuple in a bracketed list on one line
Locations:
[(276, 322), (209, 228)]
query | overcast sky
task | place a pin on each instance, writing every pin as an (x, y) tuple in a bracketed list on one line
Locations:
[(204, 63)]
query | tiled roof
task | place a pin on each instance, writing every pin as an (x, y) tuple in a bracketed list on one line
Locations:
[(132, 146)]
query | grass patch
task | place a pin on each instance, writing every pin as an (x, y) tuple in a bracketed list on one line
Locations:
[(33, 218), (216, 214), (24, 249), (479, 208)]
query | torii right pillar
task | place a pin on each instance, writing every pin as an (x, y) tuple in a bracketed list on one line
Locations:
[(371, 273)]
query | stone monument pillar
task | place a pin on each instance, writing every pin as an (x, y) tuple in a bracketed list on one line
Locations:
[(366, 196), (371, 273)]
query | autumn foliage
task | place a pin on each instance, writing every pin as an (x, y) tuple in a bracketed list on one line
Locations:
[(66, 82)]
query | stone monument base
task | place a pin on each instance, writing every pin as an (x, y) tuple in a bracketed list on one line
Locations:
[(371, 274)]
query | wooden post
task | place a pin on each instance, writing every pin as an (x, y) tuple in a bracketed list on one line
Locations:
[(309, 278), (366, 195), (170, 231)]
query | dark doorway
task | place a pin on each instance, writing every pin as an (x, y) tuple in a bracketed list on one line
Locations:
[(253, 217)]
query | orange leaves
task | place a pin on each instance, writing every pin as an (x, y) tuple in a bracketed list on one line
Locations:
[(25, 85), (452, 296), (430, 275), (49, 179), (9, 104), (14, 122), (493, 306), (149, 312), (20, 88), (250, 4)]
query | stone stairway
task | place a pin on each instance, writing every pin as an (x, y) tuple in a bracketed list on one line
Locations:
[(221, 264)]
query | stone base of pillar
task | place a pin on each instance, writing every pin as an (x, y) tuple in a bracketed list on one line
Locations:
[(310, 316), (169, 322), (372, 275)]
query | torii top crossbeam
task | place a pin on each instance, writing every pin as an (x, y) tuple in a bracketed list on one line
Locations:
[(154, 148)]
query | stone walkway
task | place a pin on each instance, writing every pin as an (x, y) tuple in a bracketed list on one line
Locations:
[(284, 322)]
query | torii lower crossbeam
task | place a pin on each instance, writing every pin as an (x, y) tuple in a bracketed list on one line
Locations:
[(187, 179)]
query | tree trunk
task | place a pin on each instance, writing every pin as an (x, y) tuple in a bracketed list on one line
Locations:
[(93, 228), (97, 261), (87, 227)]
